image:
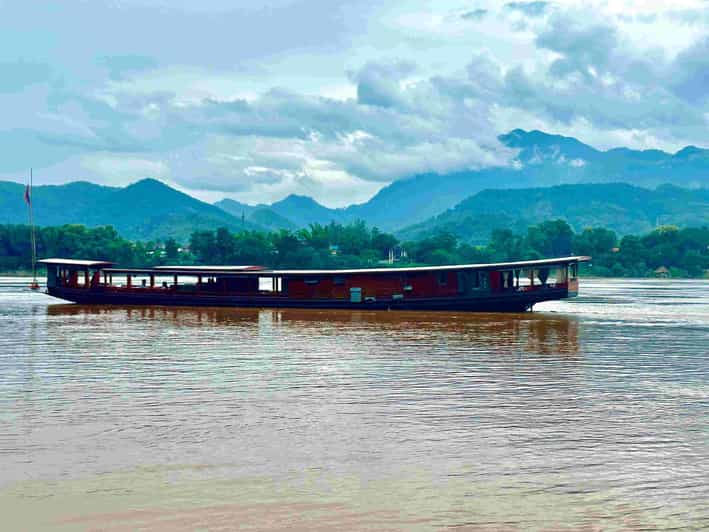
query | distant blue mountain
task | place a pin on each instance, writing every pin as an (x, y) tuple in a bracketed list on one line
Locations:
[(542, 160), (262, 215), (304, 210), (149, 209)]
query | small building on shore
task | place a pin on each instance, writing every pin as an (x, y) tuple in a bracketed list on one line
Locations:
[(662, 272)]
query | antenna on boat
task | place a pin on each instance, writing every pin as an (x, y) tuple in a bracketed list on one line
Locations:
[(34, 285)]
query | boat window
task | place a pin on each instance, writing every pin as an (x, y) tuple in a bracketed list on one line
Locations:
[(312, 280), (470, 280), (270, 284), (525, 278), (573, 271), (52, 276), (163, 281), (442, 278), (475, 279), (338, 280), (559, 274), (543, 275), (484, 280), (508, 279)]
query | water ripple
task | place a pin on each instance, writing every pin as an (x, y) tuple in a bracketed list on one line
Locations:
[(598, 405)]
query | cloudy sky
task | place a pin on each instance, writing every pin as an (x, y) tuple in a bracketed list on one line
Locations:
[(335, 98)]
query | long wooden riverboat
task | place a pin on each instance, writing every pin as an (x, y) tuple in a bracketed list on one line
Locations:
[(507, 286)]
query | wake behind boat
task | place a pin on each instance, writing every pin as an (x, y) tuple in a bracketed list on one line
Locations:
[(507, 286)]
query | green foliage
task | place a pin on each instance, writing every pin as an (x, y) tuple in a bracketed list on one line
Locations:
[(319, 246), (80, 242), (63, 241), (505, 245), (681, 252), (171, 248), (684, 252), (595, 242), (550, 239)]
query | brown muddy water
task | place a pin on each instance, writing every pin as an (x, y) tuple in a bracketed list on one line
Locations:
[(586, 414)]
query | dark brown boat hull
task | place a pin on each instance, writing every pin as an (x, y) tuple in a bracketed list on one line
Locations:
[(511, 301)]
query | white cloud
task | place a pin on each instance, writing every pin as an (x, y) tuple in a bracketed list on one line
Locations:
[(333, 99), (118, 169)]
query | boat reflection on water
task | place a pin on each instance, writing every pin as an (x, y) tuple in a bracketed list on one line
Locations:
[(547, 334)]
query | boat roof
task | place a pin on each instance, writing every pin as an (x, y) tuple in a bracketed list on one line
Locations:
[(495, 265), (259, 270), (213, 268), (75, 262), (190, 270)]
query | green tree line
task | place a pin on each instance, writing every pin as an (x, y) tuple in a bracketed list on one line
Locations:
[(70, 241), (683, 252), (320, 246)]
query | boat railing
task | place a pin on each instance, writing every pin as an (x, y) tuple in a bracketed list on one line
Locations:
[(183, 289), (545, 286)]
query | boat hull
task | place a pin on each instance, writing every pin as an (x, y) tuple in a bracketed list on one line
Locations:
[(512, 301)]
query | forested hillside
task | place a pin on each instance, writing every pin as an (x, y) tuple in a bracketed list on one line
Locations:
[(623, 208), (145, 210)]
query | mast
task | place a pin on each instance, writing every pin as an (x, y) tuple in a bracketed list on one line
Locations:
[(33, 238)]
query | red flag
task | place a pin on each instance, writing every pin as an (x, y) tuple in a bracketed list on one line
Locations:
[(28, 198)]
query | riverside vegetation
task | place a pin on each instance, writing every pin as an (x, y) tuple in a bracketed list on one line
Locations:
[(667, 250)]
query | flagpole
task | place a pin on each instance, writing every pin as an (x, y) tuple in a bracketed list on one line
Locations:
[(33, 238)]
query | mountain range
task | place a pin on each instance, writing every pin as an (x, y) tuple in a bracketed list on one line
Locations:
[(291, 212), (626, 209), (542, 160), (551, 176), (145, 210)]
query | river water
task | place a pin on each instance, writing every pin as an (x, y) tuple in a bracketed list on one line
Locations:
[(591, 413)]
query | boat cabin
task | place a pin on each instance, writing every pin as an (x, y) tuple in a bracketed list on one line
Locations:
[(514, 284)]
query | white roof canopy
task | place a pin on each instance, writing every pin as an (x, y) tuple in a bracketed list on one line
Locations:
[(76, 263)]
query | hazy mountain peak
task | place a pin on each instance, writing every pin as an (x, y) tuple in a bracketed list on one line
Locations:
[(520, 138), (235, 207), (639, 155), (689, 152), (262, 215), (304, 210), (149, 183), (299, 199), (536, 147)]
